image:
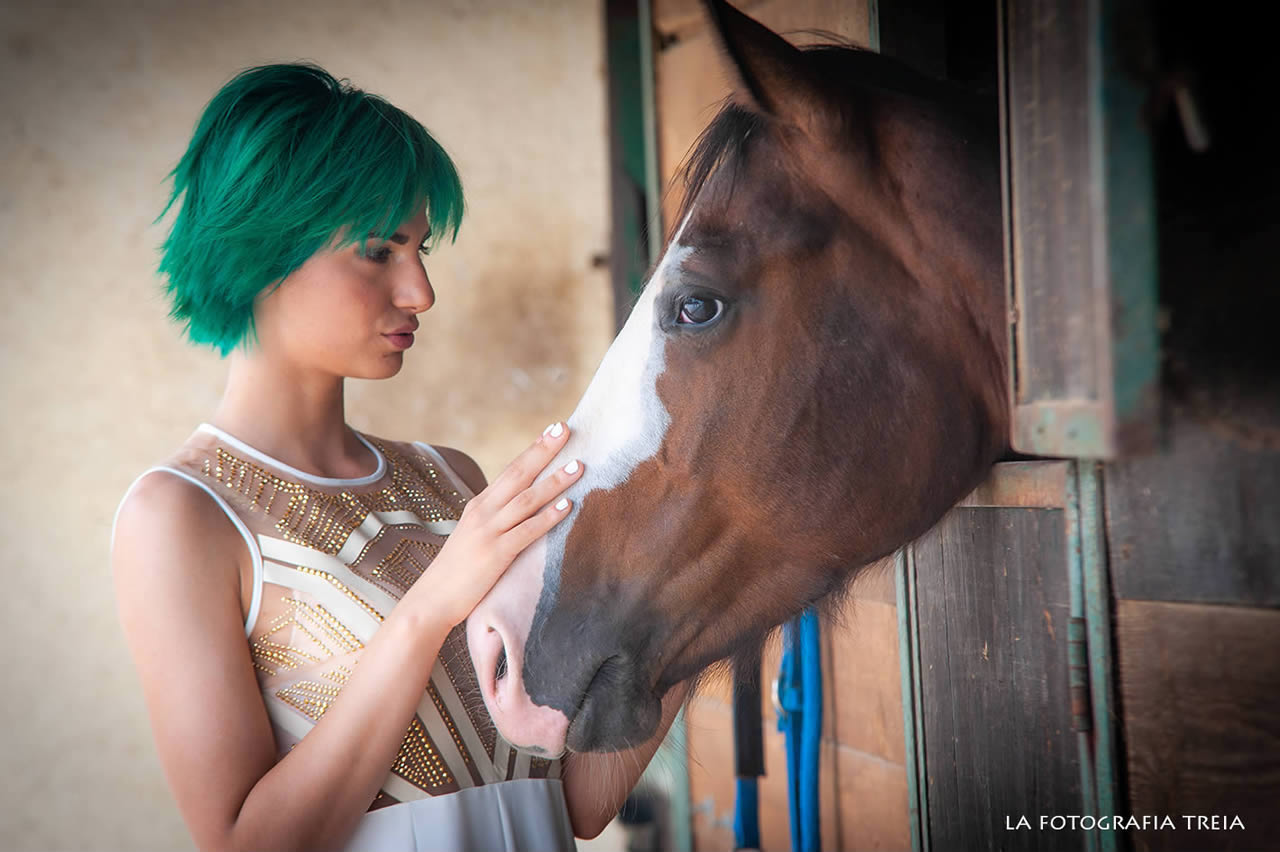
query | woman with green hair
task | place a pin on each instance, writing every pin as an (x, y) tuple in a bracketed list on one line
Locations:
[(291, 589)]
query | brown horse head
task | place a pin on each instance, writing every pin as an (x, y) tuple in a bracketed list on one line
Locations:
[(813, 375)]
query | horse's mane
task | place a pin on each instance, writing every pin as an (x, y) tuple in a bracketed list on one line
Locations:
[(726, 140)]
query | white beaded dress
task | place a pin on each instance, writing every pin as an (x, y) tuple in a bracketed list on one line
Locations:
[(331, 558)]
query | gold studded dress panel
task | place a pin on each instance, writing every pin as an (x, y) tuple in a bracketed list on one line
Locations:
[(335, 557)]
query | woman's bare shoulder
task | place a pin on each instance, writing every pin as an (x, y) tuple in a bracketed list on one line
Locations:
[(166, 520), (161, 497)]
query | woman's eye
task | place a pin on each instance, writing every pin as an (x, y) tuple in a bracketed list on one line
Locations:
[(424, 250), (696, 310), (378, 255)]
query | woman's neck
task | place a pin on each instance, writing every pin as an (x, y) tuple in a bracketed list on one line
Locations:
[(296, 417)]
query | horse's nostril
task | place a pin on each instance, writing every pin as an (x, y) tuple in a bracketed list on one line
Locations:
[(500, 670)]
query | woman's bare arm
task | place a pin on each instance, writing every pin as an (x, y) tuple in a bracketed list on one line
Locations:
[(176, 565)]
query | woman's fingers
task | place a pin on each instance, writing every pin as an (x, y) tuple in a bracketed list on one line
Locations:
[(504, 519), (525, 467), (530, 530), (537, 495)]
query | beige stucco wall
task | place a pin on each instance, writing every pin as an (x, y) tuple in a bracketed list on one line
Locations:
[(98, 100)]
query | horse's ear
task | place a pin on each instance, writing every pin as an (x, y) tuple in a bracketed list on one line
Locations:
[(771, 72)]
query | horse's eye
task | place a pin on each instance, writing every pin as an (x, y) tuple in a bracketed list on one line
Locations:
[(696, 310)]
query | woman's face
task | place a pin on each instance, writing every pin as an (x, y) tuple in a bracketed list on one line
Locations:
[(350, 313)]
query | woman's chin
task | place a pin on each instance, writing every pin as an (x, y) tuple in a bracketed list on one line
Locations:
[(383, 368)]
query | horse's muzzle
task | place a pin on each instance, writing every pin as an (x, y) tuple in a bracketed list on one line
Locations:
[(617, 711)]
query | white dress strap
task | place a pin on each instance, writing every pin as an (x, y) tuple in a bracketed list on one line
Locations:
[(255, 554)]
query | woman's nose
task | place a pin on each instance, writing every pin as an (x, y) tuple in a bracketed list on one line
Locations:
[(415, 293)]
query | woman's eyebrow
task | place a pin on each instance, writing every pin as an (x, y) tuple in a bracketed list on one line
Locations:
[(401, 239)]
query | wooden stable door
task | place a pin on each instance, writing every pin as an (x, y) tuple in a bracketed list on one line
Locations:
[(997, 677)]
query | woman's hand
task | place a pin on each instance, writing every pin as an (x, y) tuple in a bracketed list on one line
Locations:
[(496, 525)]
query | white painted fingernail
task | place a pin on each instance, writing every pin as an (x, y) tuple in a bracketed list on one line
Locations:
[(548, 429), (563, 504), (571, 467), (557, 430)]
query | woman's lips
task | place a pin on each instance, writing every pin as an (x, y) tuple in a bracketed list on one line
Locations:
[(400, 341)]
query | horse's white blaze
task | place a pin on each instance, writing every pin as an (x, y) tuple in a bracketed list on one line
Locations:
[(619, 423)]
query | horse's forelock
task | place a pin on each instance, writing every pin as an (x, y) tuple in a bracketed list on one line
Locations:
[(723, 144)]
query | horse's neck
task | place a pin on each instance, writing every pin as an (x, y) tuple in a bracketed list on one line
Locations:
[(948, 182)]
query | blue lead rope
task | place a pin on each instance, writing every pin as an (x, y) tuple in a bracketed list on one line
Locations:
[(799, 699), (746, 814)]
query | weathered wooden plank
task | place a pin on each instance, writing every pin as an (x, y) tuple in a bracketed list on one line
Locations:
[(711, 785), (1199, 522), (875, 582), (1051, 173), (1029, 484), (865, 681), (799, 20), (708, 725), (690, 84), (994, 606), (679, 16), (872, 798), (1200, 688), (1080, 227), (848, 18)]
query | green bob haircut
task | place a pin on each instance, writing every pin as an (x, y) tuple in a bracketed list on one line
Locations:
[(286, 159)]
